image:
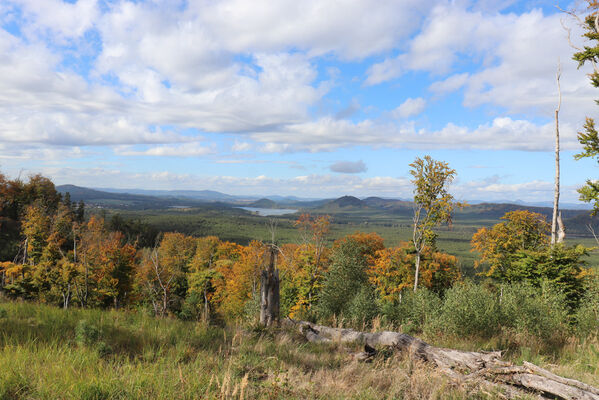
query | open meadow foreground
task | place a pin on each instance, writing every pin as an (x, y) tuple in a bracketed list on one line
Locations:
[(323, 199)]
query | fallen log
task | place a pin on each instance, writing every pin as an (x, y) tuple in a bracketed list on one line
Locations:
[(485, 369)]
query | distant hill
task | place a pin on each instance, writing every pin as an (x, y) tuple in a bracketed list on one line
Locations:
[(576, 220), (98, 198), (80, 193), (263, 203), (205, 195), (345, 202)]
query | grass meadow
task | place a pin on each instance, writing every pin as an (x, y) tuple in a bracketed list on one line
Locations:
[(50, 353)]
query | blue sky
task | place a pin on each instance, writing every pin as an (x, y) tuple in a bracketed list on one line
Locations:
[(315, 98)]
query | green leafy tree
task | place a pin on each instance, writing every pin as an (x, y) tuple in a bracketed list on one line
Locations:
[(433, 204), (348, 273), (518, 250), (588, 138)]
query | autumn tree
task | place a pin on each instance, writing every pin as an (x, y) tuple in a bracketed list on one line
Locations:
[(223, 278), (36, 229), (392, 270), (311, 255), (162, 272), (498, 245), (433, 204), (198, 302), (105, 266), (16, 196)]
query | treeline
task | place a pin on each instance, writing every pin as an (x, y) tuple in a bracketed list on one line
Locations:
[(65, 260)]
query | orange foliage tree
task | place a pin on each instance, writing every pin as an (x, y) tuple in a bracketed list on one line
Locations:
[(498, 246), (161, 276), (105, 266), (392, 270)]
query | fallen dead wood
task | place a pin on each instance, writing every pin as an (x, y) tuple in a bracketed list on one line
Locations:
[(483, 369)]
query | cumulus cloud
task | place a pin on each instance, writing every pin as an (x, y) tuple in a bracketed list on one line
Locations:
[(63, 19), (450, 84), (253, 70), (349, 167), (184, 150), (410, 107), (504, 51), (503, 133)]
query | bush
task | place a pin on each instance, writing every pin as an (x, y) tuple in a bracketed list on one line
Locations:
[(470, 309), (416, 311), (86, 334), (587, 315), (363, 306), (540, 312)]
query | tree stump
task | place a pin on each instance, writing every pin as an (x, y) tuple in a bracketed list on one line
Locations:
[(269, 291)]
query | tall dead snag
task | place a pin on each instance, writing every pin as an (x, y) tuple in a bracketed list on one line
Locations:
[(483, 369), (557, 226), (269, 291)]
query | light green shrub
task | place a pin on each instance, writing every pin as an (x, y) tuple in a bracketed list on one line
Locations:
[(470, 310)]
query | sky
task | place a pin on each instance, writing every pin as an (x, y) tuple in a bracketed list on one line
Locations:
[(311, 98)]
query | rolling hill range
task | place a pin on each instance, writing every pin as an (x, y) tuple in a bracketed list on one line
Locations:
[(576, 221)]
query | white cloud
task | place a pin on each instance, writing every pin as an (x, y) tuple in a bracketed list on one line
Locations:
[(410, 107), (63, 19), (241, 146), (19, 152), (504, 133), (183, 150), (350, 29), (451, 84), (515, 60), (196, 67)]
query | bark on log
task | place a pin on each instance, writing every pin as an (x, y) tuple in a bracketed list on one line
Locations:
[(485, 369)]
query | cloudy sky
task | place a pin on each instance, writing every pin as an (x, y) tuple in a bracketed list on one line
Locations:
[(310, 98)]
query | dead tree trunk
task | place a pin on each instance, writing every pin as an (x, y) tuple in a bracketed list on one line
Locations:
[(485, 369), (269, 291), (557, 236)]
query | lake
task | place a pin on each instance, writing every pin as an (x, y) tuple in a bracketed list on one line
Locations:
[(266, 212)]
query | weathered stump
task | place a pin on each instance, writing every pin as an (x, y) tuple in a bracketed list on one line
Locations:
[(269, 291)]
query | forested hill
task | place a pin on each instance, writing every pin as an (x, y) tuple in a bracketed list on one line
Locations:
[(576, 220)]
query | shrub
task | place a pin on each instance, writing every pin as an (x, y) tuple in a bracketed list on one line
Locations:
[(86, 334), (540, 312), (363, 306), (470, 309), (587, 315), (415, 311)]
